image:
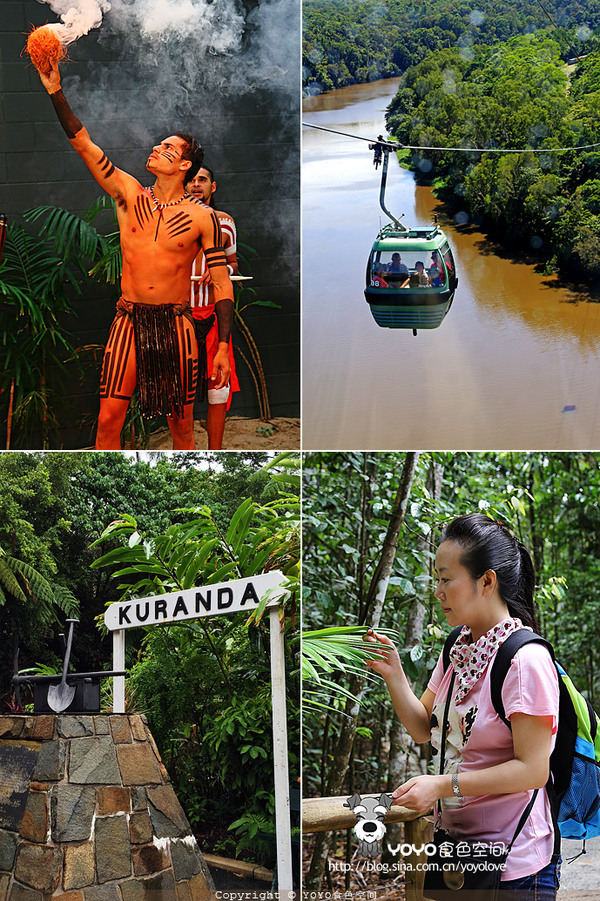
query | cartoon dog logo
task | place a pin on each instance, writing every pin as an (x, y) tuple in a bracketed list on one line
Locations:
[(369, 828)]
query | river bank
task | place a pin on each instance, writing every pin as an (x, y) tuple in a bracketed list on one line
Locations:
[(513, 365)]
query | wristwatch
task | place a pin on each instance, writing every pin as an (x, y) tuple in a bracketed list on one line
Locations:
[(455, 787)]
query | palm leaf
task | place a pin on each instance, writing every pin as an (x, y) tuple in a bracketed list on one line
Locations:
[(9, 581), (335, 649), (36, 585), (101, 204), (65, 599), (32, 266), (71, 235), (109, 268)]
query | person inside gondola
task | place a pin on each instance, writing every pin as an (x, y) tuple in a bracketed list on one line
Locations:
[(377, 279), (422, 277), (435, 277), (397, 266), (436, 270)]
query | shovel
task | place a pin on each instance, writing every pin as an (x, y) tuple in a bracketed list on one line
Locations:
[(61, 696)]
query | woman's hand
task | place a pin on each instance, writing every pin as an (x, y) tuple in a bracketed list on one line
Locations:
[(415, 713), (387, 663), (420, 793)]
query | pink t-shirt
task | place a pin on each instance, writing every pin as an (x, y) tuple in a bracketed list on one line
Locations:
[(477, 738)]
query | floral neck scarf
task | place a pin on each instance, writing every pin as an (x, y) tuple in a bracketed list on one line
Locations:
[(470, 659)]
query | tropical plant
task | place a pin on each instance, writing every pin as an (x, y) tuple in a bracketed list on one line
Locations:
[(245, 297), (205, 684), (30, 602), (340, 650), (21, 582), (35, 344), (39, 274)]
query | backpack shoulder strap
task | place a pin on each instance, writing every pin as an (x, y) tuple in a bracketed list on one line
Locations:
[(502, 661), (450, 641)]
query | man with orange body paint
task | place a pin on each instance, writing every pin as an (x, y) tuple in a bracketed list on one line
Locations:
[(152, 341)]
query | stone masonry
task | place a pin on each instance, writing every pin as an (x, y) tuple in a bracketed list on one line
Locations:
[(87, 813)]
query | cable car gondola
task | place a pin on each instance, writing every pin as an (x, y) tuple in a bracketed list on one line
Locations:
[(411, 276)]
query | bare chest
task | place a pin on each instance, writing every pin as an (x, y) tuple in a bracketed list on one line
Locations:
[(145, 225)]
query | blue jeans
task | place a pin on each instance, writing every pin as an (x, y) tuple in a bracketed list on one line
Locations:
[(540, 886)]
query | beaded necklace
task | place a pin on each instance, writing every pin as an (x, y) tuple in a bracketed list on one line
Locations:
[(162, 206)]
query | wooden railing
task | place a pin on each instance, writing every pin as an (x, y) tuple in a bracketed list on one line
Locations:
[(325, 814)]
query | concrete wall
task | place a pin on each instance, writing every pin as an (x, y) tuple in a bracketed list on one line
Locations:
[(130, 89)]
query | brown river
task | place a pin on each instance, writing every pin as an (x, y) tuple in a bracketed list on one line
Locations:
[(514, 365)]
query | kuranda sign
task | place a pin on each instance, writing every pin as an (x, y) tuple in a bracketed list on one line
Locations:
[(238, 595)]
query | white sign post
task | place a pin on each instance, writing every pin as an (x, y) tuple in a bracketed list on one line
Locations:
[(239, 595)]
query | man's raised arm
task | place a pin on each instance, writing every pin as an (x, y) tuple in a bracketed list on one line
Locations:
[(112, 180)]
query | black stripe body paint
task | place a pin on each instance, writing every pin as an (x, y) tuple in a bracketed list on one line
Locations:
[(106, 166), (179, 224), (66, 116), (224, 312), (143, 210)]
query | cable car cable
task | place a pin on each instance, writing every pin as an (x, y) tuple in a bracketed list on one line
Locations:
[(397, 145), (557, 27)]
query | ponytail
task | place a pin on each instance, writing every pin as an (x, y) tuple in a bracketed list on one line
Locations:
[(487, 544), (523, 604)]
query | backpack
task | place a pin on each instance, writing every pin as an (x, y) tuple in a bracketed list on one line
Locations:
[(574, 782)]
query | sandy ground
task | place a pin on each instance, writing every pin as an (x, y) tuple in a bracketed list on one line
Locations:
[(241, 434)]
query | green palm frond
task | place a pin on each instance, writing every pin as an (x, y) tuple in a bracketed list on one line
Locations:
[(65, 599), (71, 235), (36, 270), (38, 274), (10, 584), (34, 583), (23, 582), (101, 204), (109, 268), (337, 649)]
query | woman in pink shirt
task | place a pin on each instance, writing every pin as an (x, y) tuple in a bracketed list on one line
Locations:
[(485, 582)]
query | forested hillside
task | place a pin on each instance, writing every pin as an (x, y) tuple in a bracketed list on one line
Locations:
[(354, 41), (516, 94)]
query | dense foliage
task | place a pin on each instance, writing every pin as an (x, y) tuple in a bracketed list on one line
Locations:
[(182, 520), (491, 77), (514, 95), (549, 500), (354, 41)]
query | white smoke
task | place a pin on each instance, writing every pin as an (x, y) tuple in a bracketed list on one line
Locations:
[(77, 18), (167, 41), (219, 22), (224, 70)]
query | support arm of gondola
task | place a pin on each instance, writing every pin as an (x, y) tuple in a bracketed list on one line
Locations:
[(381, 155)]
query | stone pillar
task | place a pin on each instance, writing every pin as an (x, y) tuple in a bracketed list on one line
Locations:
[(87, 813)]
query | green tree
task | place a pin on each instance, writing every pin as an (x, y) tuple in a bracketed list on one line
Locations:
[(549, 501), (206, 684)]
